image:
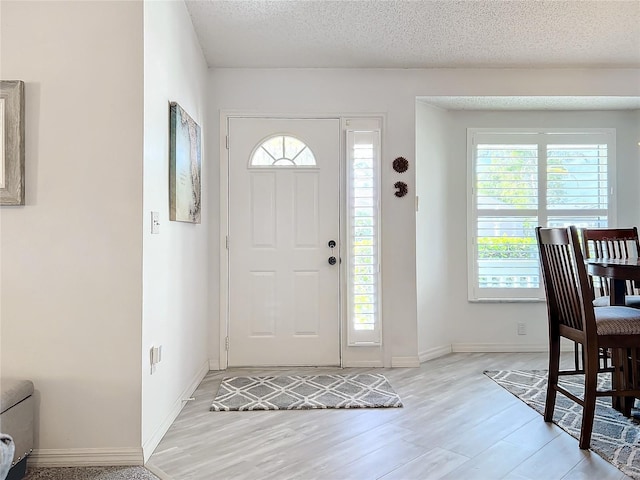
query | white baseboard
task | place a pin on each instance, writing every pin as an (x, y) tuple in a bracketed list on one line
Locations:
[(405, 362), (499, 347), (152, 442), (71, 457), (434, 352), (214, 364), (362, 364)]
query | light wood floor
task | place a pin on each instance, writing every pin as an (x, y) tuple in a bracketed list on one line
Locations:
[(456, 424)]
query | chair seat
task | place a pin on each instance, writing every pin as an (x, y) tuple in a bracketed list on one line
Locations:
[(617, 320), (630, 301)]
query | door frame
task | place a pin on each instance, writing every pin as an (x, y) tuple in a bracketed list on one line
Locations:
[(225, 116)]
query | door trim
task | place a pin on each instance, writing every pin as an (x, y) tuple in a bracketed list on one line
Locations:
[(225, 116)]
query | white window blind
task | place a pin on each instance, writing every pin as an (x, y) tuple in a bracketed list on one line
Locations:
[(520, 180), (363, 157)]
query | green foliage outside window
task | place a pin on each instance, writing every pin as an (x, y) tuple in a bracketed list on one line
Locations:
[(516, 183), (514, 248)]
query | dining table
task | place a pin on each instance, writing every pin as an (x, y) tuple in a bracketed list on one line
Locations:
[(617, 271)]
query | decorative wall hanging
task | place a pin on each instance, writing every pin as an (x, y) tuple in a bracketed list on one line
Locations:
[(184, 166), (11, 142), (401, 164), (402, 189)]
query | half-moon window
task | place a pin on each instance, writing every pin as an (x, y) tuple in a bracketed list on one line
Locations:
[(283, 151)]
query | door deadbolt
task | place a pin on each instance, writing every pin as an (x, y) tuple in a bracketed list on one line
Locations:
[(332, 243)]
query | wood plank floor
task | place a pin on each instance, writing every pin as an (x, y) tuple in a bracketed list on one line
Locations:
[(456, 424)]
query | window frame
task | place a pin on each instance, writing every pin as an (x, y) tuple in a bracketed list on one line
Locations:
[(538, 136)]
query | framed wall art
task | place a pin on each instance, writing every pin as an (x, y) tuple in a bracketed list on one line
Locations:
[(11, 142), (184, 166)]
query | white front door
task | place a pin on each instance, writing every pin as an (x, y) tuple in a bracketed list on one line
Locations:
[(284, 202)]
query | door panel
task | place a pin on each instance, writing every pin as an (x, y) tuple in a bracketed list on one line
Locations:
[(283, 293)]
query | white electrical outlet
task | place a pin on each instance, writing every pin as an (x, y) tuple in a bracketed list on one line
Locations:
[(522, 328)]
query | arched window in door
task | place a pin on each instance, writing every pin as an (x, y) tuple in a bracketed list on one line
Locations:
[(282, 151)]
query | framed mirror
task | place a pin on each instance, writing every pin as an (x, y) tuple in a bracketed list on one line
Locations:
[(11, 142)]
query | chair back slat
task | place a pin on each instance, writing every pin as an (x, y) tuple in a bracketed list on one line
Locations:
[(565, 279)]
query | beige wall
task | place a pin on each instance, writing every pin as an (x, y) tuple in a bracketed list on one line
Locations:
[(71, 290)]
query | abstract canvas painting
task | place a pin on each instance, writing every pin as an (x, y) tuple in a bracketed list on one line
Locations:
[(184, 166)]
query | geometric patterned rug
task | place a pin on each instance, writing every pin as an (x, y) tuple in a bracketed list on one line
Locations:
[(302, 392), (615, 437)]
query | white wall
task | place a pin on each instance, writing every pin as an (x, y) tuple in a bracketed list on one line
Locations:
[(175, 274), (476, 326), (432, 142), (394, 92), (71, 295), (347, 91)]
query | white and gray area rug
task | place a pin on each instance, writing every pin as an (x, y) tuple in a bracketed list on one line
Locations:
[(89, 473), (615, 437), (302, 392)]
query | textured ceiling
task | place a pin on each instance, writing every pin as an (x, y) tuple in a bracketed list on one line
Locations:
[(418, 34), (533, 103)]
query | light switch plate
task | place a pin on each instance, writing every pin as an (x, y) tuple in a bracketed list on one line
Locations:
[(155, 222)]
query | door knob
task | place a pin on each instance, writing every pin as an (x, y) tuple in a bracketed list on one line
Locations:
[(332, 260)]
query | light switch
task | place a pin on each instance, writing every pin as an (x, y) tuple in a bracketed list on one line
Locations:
[(155, 355), (155, 222)]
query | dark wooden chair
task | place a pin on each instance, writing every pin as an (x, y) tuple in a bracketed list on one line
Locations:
[(611, 243), (571, 314)]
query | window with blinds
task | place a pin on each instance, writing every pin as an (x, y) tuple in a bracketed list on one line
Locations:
[(363, 157), (520, 180)]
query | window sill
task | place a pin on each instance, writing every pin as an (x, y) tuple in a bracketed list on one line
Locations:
[(507, 300)]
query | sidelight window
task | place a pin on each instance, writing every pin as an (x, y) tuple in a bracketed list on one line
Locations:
[(363, 203)]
